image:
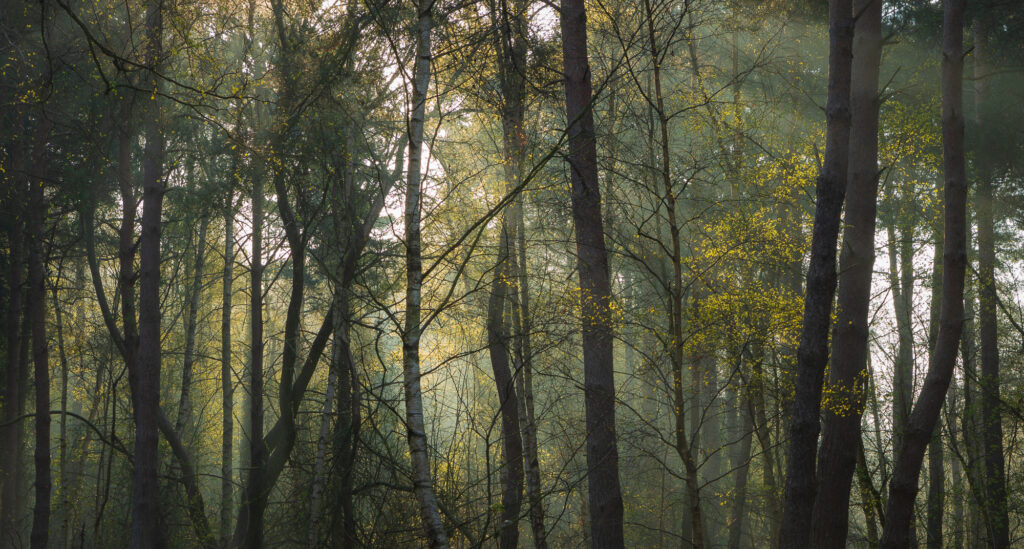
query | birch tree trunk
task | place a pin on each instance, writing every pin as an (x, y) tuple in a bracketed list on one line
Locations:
[(423, 483)]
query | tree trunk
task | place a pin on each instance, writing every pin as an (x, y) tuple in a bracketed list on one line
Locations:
[(13, 388), (992, 427), (508, 401), (145, 529), (227, 379), (605, 495), (850, 340), (903, 487), (248, 518), (184, 419), (40, 352), (741, 465), (936, 469), (812, 355), (423, 483)]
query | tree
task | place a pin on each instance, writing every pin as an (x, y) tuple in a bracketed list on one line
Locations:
[(417, 435), (812, 356), (605, 495), (846, 387), (922, 421)]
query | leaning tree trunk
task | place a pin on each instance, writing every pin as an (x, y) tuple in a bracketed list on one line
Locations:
[(418, 450), (850, 340), (605, 495), (925, 415), (994, 462), (812, 355), (40, 354), (145, 526)]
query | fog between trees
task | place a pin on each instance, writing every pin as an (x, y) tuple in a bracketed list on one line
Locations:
[(511, 273)]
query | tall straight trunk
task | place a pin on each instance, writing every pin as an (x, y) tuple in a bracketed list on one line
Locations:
[(13, 388), (762, 430), (740, 463), (901, 279), (848, 371), (605, 495), (970, 427), (417, 432), (988, 328), (508, 401), (184, 419), (145, 529), (227, 379), (523, 325), (955, 469), (812, 355), (62, 460), (346, 434), (257, 449), (511, 49), (936, 467), (925, 415), (40, 352), (319, 464)]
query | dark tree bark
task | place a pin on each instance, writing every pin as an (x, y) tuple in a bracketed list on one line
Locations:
[(994, 462), (247, 515), (508, 401), (812, 355), (936, 458), (227, 379), (14, 397), (145, 529), (605, 495), (925, 415), (511, 50), (740, 463), (850, 339), (40, 353)]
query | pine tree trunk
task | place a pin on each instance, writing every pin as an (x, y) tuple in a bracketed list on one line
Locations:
[(145, 529), (925, 415), (812, 354), (40, 352), (12, 431), (936, 469), (994, 463), (847, 382)]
